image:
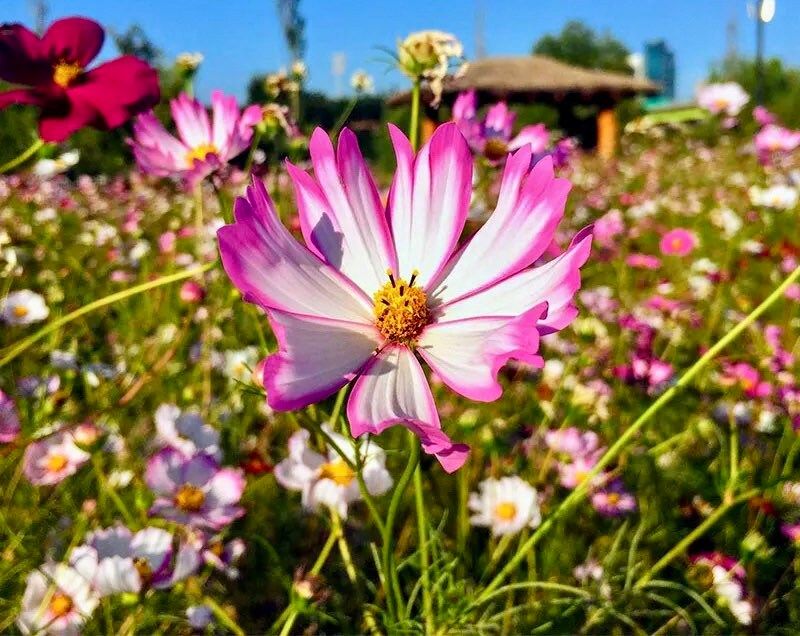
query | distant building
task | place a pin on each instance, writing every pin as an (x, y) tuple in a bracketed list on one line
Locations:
[(659, 63)]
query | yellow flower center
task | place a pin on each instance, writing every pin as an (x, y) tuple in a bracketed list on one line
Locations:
[(143, 568), (401, 310), (60, 605), (189, 498), (64, 73), (20, 311), (676, 243), (56, 463), (338, 472), (613, 498), (721, 103), (505, 511), (495, 148), (199, 153)]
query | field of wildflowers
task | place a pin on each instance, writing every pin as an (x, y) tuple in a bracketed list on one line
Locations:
[(506, 388)]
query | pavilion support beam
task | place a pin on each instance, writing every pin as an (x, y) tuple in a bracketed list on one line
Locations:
[(607, 133), (429, 124)]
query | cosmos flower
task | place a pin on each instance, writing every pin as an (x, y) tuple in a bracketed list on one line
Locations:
[(728, 582), (116, 560), (202, 146), (23, 307), (763, 116), (773, 140), (239, 364), (572, 442), (57, 600), (50, 460), (194, 491), (327, 479), (725, 98), (506, 505), (53, 70), (47, 168), (678, 242), (374, 286), (643, 261), (9, 420), (224, 556), (186, 432), (493, 135), (613, 500)]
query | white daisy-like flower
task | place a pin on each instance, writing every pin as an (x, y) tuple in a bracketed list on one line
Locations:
[(57, 600), (362, 82), (46, 168), (327, 479), (23, 307), (239, 364), (505, 505)]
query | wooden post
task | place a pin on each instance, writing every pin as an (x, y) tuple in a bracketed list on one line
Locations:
[(607, 133), (429, 124)]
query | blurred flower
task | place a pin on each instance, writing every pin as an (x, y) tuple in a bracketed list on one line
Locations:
[(186, 432), (726, 98), (613, 500), (678, 242), (194, 490), (192, 292), (781, 197), (47, 168), (50, 460), (240, 364), (492, 136), (747, 377), (506, 505), (327, 479), (571, 442), (427, 55), (643, 261), (189, 61), (199, 616), (362, 82), (590, 570), (299, 70), (362, 287), (116, 560), (224, 556), (763, 117), (203, 146), (23, 307), (773, 140), (53, 66), (727, 580), (57, 600), (9, 420)]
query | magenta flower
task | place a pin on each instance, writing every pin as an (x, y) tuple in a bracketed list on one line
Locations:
[(375, 286), (678, 242), (194, 491), (572, 442), (493, 136), (791, 531), (748, 378), (203, 145), (51, 460), (763, 116), (53, 67), (9, 420)]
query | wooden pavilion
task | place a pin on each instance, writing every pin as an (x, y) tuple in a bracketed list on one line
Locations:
[(539, 79)]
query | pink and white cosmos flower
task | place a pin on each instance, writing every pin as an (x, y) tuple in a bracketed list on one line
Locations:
[(375, 287), (724, 98), (50, 460), (202, 145), (773, 140)]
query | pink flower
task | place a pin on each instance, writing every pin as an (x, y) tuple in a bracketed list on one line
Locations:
[(608, 227), (53, 67), (725, 98), (613, 500), (792, 532), (748, 378), (574, 473), (194, 490), (52, 459), (374, 285), (203, 145), (493, 136), (678, 242), (572, 441), (773, 140), (643, 261), (763, 117), (9, 420), (192, 292)]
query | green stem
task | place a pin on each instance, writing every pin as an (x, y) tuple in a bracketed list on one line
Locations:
[(344, 549), (252, 154), (14, 350), (337, 407), (413, 126), (223, 616), (424, 557), (581, 492), (112, 494), (23, 157), (343, 117), (198, 212), (393, 593), (690, 538)]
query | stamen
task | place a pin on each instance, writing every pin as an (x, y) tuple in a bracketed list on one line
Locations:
[(391, 277), (402, 289), (414, 275), (401, 310)]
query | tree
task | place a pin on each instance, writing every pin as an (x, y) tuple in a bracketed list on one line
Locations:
[(134, 41), (294, 27), (578, 44)]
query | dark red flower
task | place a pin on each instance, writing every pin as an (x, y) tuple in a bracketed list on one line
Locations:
[(52, 70)]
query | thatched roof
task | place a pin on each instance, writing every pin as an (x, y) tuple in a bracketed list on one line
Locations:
[(537, 76)]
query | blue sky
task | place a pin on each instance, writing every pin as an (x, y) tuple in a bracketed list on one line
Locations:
[(242, 37)]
